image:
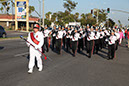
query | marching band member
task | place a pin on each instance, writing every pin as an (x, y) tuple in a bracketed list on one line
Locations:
[(90, 42), (59, 37), (46, 33), (111, 46), (75, 36), (36, 38)]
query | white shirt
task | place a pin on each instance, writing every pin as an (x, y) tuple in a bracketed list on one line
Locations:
[(75, 37), (64, 33), (59, 35), (101, 34), (97, 35), (107, 33), (39, 37), (112, 40), (54, 33), (69, 32), (46, 33), (91, 36), (82, 35), (117, 35)]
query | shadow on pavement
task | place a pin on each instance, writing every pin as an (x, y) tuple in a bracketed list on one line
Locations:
[(103, 51), (103, 56), (1, 48), (82, 53)]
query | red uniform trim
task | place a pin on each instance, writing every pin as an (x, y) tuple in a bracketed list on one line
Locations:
[(33, 39)]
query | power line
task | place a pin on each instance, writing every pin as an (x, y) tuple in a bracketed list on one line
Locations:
[(120, 11)]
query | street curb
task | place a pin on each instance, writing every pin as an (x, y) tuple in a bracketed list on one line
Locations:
[(9, 39)]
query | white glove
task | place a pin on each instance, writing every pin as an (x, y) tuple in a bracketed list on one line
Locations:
[(37, 47), (28, 44)]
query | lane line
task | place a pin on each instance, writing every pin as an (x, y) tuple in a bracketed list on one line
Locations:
[(21, 54), (17, 55)]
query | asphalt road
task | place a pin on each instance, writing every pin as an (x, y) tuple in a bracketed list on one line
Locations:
[(15, 33), (62, 70)]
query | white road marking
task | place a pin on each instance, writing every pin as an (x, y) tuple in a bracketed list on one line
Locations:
[(17, 55), (21, 54)]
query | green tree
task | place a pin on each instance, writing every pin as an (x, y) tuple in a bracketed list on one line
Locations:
[(54, 16), (47, 15), (1, 9), (5, 6), (76, 16), (120, 24), (47, 22), (70, 5), (31, 9), (87, 19), (110, 22), (102, 15)]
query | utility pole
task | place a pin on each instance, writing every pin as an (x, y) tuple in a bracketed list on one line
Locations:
[(27, 15), (97, 18), (16, 23), (39, 11), (43, 14), (12, 15)]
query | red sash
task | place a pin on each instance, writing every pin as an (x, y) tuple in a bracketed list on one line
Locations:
[(33, 39)]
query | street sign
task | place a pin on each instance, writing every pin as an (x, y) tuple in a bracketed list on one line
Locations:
[(21, 10)]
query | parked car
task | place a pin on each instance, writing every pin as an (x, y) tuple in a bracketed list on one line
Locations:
[(3, 33)]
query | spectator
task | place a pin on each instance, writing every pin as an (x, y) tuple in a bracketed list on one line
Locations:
[(121, 36), (128, 36)]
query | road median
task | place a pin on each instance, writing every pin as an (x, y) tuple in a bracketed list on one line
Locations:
[(11, 38)]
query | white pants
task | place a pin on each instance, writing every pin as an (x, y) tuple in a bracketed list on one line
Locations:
[(120, 41), (34, 53)]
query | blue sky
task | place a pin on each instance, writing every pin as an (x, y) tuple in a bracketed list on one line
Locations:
[(85, 6)]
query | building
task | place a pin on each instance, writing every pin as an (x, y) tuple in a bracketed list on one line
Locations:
[(8, 22)]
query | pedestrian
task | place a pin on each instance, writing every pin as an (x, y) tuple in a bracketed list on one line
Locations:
[(128, 36), (36, 38), (46, 33), (101, 38), (64, 36), (74, 41), (121, 36), (59, 38), (96, 40), (80, 40), (117, 37), (54, 33), (90, 42), (68, 35), (111, 46), (86, 32)]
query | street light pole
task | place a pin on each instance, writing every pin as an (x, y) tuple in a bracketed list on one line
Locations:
[(97, 18), (43, 14), (40, 10)]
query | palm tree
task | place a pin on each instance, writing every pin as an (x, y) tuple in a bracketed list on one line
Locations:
[(70, 5), (47, 15), (31, 9), (5, 6), (1, 9), (76, 16), (54, 16)]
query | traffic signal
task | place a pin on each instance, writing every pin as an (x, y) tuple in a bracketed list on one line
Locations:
[(25, 6), (108, 10), (91, 11)]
